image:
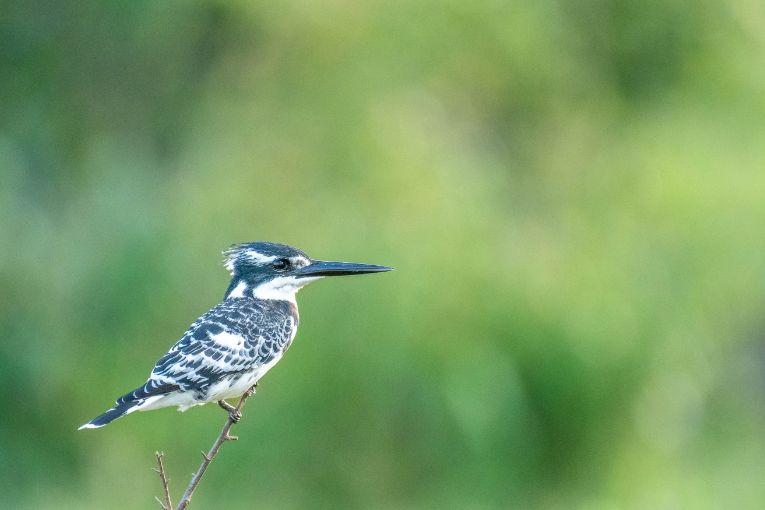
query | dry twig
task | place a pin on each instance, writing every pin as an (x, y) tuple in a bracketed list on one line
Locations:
[(166, 504), (234, 414), (209, 456)]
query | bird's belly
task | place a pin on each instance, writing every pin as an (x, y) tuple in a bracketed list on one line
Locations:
[(181, 399), (236, 384)]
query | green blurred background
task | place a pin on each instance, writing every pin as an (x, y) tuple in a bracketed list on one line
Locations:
[(572, 194)]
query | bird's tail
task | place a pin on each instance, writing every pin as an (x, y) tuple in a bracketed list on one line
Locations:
[(140, 398), (112, 414)]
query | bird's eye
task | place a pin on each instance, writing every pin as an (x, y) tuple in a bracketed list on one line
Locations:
[(281, 264)]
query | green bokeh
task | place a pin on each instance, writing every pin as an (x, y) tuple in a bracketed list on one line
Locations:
[(572, 194)]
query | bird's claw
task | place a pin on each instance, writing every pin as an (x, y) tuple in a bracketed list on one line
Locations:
[(233, 414)]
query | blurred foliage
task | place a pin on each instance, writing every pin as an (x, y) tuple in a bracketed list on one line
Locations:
[(571, 194)]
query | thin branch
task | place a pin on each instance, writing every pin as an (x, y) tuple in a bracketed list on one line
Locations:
[(209, 456), (166, 504)]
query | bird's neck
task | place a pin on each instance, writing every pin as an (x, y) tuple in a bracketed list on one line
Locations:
[(280, 289), (238, 288)]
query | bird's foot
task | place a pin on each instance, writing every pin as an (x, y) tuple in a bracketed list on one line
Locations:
[(251, 391), (233, 414)]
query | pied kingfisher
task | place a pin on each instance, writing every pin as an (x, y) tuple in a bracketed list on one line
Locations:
[(226, 350)]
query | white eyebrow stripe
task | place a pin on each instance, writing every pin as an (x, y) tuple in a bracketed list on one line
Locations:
[(299, 261), (259, 257)]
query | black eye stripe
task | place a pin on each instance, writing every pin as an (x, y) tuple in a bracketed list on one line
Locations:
[(281, 264)]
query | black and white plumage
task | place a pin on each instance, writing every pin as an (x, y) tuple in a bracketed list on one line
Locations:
[(229, 348)]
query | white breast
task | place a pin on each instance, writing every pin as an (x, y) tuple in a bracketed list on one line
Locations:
[(235, 385)]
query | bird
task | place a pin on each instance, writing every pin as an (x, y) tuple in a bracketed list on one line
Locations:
[(229, 348)]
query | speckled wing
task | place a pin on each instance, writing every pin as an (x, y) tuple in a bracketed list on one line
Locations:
[(235, 337)]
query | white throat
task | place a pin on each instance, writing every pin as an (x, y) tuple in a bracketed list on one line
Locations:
[(282, 288)]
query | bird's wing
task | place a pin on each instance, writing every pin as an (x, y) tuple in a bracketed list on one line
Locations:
[(229, 339)]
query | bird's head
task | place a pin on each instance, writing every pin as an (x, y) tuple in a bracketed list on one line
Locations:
[(277, 271)]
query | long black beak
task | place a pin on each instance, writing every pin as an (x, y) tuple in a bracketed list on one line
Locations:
[(324, 268)]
